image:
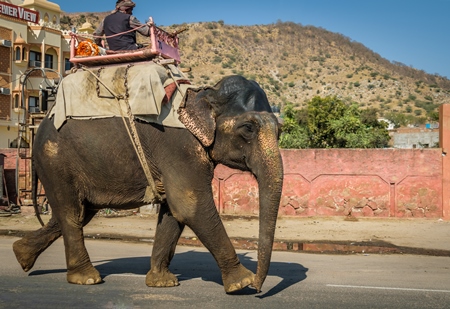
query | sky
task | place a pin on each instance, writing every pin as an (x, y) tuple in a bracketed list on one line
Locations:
[(413, 32)]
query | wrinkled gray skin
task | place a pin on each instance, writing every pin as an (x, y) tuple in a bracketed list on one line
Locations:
[(90, 165)]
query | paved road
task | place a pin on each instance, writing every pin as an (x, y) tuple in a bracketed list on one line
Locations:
[(295, 280)]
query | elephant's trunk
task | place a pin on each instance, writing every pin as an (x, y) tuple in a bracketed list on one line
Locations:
[(270, 183)]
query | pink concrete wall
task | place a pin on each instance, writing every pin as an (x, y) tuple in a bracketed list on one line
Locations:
[(342, 182), (330, 182), (444, 143)]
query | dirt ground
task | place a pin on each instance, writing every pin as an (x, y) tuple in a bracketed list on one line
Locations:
[(433, 234)]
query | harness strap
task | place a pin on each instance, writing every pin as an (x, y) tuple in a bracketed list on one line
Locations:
[(169, 72), (151, 193)]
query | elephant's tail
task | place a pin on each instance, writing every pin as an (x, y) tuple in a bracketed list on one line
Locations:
[(34, 185)]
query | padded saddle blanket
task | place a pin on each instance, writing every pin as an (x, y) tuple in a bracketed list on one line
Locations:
[(152, 94)]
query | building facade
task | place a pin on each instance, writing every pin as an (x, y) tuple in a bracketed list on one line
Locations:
[(30, 39), (407, 138)]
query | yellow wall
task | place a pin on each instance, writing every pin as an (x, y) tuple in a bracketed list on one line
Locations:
[(45, 37)]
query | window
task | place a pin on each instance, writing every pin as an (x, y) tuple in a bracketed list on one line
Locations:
[(24, 53), (33, 104), (48, 61), (16, 101), (35, 59), (17, 54), (67, 64)]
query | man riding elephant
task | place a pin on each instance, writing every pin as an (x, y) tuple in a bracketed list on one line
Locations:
[(120, 28)]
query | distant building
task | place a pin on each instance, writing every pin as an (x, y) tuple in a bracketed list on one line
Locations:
[(415, 138), (30, 37)]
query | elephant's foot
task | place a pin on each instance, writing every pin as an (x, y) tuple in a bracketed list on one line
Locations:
[(25, 255), (238, 279), (161, 279), (87, 276)]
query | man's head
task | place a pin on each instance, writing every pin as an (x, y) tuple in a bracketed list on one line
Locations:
[(125, 6)]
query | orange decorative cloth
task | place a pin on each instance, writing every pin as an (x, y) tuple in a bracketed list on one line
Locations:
[(87, 48)]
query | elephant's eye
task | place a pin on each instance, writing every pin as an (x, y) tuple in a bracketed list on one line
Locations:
[(247, 130), (248, 127)]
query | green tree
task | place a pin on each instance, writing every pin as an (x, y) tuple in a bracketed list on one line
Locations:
[(369, 116), (65, 20), (294, 136), (351, 132), (320, 112), (434, 116), (330, 123), (398, 119)]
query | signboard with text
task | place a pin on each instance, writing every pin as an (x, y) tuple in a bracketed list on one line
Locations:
[(18, 12)]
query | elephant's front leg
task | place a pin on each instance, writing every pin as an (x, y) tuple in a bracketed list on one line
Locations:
[(205, 222), (168, 232), (210, 230)]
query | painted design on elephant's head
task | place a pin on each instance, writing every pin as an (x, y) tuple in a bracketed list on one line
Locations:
[(196, 114), (228, 125), (51, 148), (268, 142)]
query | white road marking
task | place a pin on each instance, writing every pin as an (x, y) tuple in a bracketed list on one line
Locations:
[(385, 288)]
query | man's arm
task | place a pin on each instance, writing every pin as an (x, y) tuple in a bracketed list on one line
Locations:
[(142, 28), (98, 34)]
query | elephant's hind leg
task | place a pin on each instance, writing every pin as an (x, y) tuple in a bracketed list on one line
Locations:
[(71, 218), (167, 234), (79, 267), (28, 249)]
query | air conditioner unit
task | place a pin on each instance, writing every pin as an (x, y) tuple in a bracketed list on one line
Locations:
[(6, 43), (5, 91), (34, 109), (35, 63)]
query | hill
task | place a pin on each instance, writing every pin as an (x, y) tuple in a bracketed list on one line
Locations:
[(294, 63)]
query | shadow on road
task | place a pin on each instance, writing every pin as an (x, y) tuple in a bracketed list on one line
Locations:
[(46, 272), (192, 265)]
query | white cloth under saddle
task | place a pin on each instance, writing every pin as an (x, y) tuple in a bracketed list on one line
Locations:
[(81, 96)]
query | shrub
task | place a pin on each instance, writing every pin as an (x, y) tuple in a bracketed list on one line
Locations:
[(217, 59), (412, 97)]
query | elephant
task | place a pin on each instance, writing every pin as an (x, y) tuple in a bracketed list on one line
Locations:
[(89, 165)]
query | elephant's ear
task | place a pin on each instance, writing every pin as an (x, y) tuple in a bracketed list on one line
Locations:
[(196, 114)]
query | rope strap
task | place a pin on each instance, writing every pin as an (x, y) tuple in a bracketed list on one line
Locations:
[(151, 193), (170, 73)]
